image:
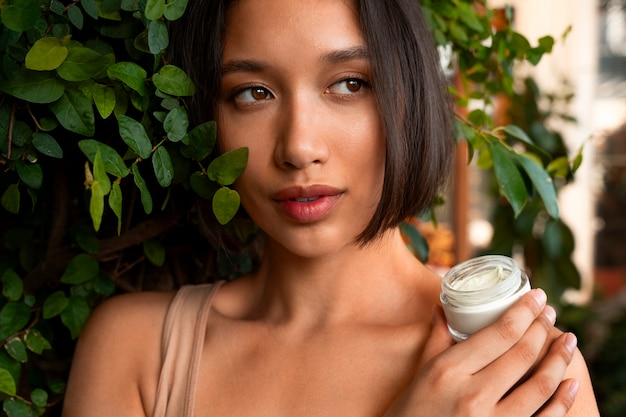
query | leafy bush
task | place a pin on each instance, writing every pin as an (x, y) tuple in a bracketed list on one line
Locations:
[(102, 174)]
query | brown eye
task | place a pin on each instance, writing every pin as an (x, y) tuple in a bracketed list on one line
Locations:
[(353, 85), (259, 93), (348, 86), (253, 94)]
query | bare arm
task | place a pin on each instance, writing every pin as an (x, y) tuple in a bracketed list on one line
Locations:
[(116, 363)]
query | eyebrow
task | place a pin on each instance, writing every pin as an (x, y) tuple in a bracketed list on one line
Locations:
[(342, 55), (334, 57)]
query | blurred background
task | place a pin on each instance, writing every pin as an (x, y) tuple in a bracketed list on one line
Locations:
[(576, 97)]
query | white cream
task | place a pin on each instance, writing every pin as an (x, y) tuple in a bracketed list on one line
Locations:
[(482, 279)]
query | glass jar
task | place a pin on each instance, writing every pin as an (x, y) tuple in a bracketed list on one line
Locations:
[(476, 292)]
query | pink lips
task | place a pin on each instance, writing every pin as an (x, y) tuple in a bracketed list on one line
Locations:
[(307, 204)]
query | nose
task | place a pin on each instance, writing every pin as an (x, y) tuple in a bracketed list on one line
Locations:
[(303, 141)]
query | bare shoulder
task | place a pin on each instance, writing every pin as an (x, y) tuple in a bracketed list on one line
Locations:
[(585, 404), (118, 356)]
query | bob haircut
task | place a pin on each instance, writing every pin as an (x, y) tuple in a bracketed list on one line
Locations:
[(407, 79)]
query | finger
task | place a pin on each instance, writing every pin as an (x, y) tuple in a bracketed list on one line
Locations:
[(561, 401), (546, 378), (493, 341), (511, 367), (439, 339)]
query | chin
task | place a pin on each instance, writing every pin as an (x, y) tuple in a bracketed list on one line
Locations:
[(311, 244)]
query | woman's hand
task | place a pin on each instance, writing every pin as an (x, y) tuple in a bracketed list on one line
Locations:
[(514, 367)]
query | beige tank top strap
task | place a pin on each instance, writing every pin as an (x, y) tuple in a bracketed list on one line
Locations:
[(181, 349)]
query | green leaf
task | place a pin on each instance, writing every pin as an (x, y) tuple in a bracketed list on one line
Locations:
[(46, 54), (34, 86), (146, 198), (135, 136), (158, 38), (75, 113), (463, 131), (16, 407), (202, 186), (115, 202), (227, 167), (84, 237), (559, 167), (20, 15), (154, 251), (57, 385), (417, 241), (7, 384), (47, 145), (76, 16), (518, 133), (99, 173), (468, 15), (113, 162), (225, 204), (81, 268), (104, 99), (578, 160), (54, 304), (12, 286), (543, 183), (174, 9), (546, 43), (17, 349), (103, 285), (84, 63), (39, 397), (176, 123), (458, 32), (154, 9), (557, 240), (11, 365), (31, 174), (174, 81), (96, 204), (508, 176), (10, 199), (130, 74), (163, 168), (91, 8), (13, 317), (201, 141), (75, 315)]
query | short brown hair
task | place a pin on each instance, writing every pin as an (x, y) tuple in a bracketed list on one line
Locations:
[(407, 80)]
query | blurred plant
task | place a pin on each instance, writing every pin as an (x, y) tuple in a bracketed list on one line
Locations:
[(546, 243), (101, 169)]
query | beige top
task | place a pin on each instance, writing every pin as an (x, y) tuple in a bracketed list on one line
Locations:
[(181, 349)]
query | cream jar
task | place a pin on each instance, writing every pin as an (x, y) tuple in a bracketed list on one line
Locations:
[(476, 292)]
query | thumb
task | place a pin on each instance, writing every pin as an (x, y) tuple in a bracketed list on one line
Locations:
[(439, 339)]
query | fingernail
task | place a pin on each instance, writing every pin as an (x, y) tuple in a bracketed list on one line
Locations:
[(573, 388), (540, 296), (550, 313), (570, 342)]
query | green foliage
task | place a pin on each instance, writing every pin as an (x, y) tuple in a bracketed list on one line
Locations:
[(102, 171), (93, 131), (535, 228)]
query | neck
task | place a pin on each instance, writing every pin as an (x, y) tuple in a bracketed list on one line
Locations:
[(354, 283)]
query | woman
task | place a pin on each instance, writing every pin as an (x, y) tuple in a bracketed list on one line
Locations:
[(342, 107)]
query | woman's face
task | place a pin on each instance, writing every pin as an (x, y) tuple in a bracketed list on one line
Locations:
[(296, 91)]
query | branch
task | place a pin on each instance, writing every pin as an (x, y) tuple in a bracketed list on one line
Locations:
[(138, 234), (51, 270)]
